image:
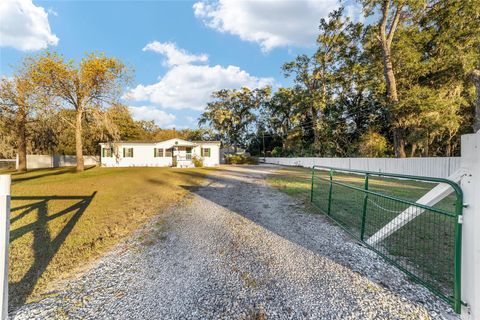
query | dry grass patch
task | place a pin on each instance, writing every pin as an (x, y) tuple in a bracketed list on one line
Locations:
[(61, 220)]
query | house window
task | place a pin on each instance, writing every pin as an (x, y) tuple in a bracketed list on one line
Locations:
[(128, 152), (107, 152), (168, 152), (205, 152), (158, 152), (189, 153)]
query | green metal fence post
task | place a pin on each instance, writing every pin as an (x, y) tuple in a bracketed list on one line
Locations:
[(457, 289), (311, 188), (330, 192), (364, 211)]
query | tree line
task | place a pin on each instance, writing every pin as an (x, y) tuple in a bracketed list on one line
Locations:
[(53, 105), (404, 83)]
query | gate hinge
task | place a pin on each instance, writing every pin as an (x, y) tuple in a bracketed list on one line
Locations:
[(460, 219)]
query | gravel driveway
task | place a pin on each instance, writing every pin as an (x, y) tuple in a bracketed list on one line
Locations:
[(238, 249)]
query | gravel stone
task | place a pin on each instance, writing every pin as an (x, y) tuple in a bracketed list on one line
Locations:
[(239, 249)]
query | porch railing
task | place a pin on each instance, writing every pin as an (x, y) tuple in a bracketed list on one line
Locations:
[(187, 157)]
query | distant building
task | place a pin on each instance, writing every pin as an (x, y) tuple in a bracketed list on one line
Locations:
[(168, 153)]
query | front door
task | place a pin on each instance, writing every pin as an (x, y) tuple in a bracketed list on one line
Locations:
[(174, 160)]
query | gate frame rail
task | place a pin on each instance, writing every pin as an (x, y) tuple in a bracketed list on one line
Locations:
[(455, 301)]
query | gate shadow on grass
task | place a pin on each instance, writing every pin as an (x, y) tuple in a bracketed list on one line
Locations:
[(44, 247), (40, 173)]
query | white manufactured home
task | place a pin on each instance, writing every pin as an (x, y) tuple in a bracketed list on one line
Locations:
[(168, 153)]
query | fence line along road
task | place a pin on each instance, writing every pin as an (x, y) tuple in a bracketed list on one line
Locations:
[(438, 167), (41, 161), (8, 163)]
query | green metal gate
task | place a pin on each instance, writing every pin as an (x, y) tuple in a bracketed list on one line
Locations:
[(427, 248)]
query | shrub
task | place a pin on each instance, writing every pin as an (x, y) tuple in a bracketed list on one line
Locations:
[(277, 152), (240, 159), (372, 144), (197, 162)]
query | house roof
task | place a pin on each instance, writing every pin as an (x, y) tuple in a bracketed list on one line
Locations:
[(186, 143), (131, 141), (206, 141)]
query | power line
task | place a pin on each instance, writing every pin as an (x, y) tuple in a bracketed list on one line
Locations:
[(305, 128)]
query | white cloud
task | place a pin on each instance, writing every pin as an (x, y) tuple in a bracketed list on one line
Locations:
[(270, 23), (147, 113), (52, 12), (25, 26), (174, 55), (190, 86), (177, 127)]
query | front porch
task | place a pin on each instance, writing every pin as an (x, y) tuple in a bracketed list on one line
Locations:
[(182, 156)]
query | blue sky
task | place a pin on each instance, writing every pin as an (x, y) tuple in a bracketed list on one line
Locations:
[(180, 51)]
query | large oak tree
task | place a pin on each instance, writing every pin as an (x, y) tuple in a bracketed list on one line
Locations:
[(96, 82), (232, 112), (21, 100)]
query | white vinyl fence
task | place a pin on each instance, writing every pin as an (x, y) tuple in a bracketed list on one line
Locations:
[(440, 167), (35, 161), (7, 163)]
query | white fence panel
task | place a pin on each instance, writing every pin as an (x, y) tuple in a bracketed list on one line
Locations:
[(35, 161), (360, 164), (440, 167)]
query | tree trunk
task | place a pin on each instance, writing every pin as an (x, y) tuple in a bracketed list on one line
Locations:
[(78, 140), (316, 138), (448, 149), (476, 81), (414, 149), (391, 83), (285, 136), (399, 143), (22, 140), (389, 75), (392, 97)]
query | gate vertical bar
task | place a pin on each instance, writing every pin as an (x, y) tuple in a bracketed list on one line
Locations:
[(330, 192), (5, 182), (457, 285), (364, 209)]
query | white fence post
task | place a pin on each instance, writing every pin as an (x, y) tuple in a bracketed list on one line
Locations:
[(471, 226), (4, 241)]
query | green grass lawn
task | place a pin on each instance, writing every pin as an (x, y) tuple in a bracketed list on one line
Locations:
[(425, 246), (61, 220)]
